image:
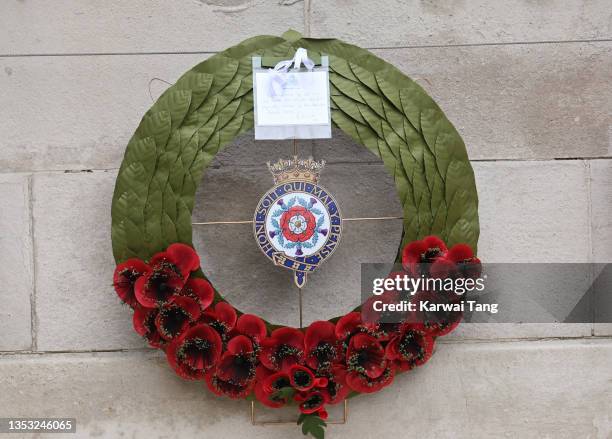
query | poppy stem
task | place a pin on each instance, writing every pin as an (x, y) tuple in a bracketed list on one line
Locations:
[(300, 304)]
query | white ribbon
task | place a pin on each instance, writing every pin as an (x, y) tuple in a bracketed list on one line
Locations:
[(278, 79)]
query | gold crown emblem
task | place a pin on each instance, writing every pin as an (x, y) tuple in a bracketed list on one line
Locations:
[(296, 170)]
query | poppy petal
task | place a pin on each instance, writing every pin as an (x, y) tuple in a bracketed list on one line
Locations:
[(460, 252), (251, 326), (202, 289), (240, 344), (184, 257), (226, 314), (318, 331), (348, 324), (363, 384), (125, 276), (433, 242), (301, 377)]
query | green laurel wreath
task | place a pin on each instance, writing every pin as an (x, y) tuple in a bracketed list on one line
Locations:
[(371, 101)]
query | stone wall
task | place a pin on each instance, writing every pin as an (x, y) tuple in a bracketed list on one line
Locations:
[(526, 83)]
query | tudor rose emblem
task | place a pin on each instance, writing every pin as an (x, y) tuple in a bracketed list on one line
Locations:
[(297, 223)]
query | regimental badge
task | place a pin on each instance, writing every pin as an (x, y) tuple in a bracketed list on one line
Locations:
[(297, 223)]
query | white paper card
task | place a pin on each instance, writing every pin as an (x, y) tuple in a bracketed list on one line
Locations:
[(303, 99)]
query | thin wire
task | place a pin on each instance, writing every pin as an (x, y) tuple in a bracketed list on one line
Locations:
[(156, 79), (295, 153), (300, 302), (254, 421), (377, 218)]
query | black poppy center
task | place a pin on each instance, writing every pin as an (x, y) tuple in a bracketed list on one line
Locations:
[(365, 359), (218, 326), (160, 284), (173, 320), (286, 351), (302, 379), (281, 382), (430, 255), (243, 368), (227, 387), (128, 278), (315, 400), (197, 353), (410, 347), (324, 352)]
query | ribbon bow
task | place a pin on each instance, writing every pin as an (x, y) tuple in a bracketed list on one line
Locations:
[(279, 80)]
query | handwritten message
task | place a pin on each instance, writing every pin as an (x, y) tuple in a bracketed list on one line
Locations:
[(296, 98)]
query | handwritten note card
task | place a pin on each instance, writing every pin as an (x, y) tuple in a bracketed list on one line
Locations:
[(292, 98)]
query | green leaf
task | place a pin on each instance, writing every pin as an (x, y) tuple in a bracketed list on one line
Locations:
[(285, 393), (373, 102), (312, 424)]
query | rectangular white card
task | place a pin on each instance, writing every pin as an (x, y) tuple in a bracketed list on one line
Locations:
[(292, 104), (302, 98)]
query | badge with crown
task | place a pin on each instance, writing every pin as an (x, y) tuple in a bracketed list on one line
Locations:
[(297, 223)]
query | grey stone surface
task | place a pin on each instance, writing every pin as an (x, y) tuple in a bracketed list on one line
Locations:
[(513, 331), (533, 211), (141, 26), (519, 101), (523, 389), (495, 95), (601, 211), (76, 306), (231, 193), (342, 149), (394, 23), (16, 262), (77, 112), (245, 151)]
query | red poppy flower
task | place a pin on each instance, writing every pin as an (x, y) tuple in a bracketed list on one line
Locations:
[(412, 347), (284, 348), (321, 345), (336, 389), (195, 351), (222, 318), (175, 316), (460, 252), (276, 381), (312, 402), (301, 378), (180, 256), (237, 364), (383, 324), (362, 383), (144, 325), (227, 388), (157, 286), (268, 384), (125, 277), (251, 326), (438, 322), (467, 264), (442, 268), (349, 325), (422, 252), (298, 224), (366, 355), (201, 290)]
